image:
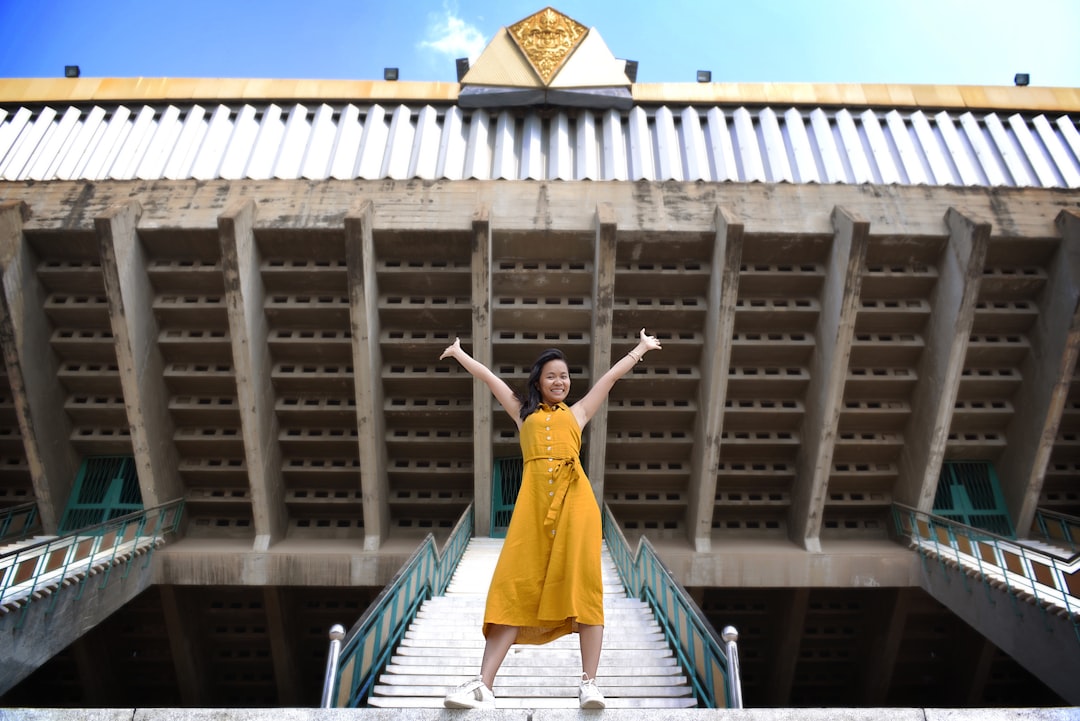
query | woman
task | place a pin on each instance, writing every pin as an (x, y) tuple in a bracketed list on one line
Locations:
[(547, 581)]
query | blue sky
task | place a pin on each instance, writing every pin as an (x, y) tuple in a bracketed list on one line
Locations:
[(955, 42)]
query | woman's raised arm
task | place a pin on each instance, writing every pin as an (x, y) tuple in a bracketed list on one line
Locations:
[(503, 393), (587, 407)]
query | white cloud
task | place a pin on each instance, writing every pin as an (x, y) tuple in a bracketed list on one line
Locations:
[(452, 37)]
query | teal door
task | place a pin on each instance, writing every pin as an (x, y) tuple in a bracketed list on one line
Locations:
[(968, 493), (105, 488), (505, 482)]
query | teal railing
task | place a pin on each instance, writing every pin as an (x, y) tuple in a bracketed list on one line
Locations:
[(1057, 528), (1048, 580), (372, 639), (17, 522), (688, 632), (27, 570)]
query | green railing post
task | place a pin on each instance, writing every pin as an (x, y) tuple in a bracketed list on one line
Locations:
[(712, 671), (366, 648)]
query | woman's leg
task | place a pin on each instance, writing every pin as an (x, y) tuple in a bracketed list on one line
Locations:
[(499, 640), (591, 639)]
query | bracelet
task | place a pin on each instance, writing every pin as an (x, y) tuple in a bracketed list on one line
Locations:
[(637, 358)]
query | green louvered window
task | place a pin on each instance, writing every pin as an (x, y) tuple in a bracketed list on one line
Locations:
[(506, 482), (968, 492), (105, 488)]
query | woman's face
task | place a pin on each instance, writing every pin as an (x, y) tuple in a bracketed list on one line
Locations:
[(554, 384)]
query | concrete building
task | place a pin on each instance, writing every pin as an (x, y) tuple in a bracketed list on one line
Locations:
[(244, 287)]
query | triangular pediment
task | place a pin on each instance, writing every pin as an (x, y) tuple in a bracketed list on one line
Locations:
[(547, 50)]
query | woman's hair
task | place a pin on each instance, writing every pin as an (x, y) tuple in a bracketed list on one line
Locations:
[(530, 399)]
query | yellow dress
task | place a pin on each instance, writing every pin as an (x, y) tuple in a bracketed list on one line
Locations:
[(547, 579)]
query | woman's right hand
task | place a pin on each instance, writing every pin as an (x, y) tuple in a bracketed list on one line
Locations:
[(451, 349)]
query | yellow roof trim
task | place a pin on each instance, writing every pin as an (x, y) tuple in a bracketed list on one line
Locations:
[(176, 90)]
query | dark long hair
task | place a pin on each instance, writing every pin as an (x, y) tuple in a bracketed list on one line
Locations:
[(530, 399)]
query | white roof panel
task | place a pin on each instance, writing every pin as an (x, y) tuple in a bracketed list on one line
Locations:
[(708, 144)]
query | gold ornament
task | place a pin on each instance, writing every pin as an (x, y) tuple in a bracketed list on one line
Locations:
[(547, 39)]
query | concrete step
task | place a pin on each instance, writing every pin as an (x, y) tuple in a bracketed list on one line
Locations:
[(444, 645)]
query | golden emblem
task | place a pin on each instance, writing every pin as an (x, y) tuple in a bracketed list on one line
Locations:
[(547, 39)]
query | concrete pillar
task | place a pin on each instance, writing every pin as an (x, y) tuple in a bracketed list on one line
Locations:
[(785, 652), (1047, 373), (483, 352), (712, 393), (245, 298), (279, 621), (367, 372), (32, 370), (952, 313), (142, 368), (603, 299), (881, 647), (183, 625), (828, 371)]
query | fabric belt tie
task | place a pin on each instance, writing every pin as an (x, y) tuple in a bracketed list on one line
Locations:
[(564, 472)]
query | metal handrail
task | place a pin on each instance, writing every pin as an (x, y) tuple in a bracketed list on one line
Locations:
[(26, 569), (373, 638), (1045, 577), (9, 516), (713, 672), (1058, 527)]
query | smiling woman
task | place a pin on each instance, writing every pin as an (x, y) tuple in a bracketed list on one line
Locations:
[(547, 582)]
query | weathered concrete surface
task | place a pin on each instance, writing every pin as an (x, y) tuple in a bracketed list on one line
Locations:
[(1040, 641), (780, 714), (43, 634)]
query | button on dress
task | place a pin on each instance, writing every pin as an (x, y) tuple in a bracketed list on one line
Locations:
[(547, 579)]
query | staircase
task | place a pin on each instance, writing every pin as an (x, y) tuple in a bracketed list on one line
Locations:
[(443, 648)]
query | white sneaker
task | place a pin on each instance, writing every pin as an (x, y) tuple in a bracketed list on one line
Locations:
[(472, 694), (589, 695)]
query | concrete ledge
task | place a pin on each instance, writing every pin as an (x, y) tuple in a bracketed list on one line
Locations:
[(778, 714)]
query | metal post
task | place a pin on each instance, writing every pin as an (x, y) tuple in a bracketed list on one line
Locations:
[(337, 633), (730, 636)]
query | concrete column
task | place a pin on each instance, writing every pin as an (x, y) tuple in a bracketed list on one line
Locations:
[(483, 352), (1047, 373), (142, 368), (367, 372), (184, 627), (32, 370), (882, 646), (785, 652), (715, 363), (828, 372), (95, 668), (603, 299), (952, 313), (283, 650), (249, 331)]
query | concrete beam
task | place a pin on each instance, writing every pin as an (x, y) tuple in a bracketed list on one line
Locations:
[(31, 369), (482, 400), (775, 209), (1047, 374), (183, 625), (882, 647), (828, 372), (279, 619), (603, 292), (785, 650), (952, 314), (367, 372), (715, 362), (142, 367), (245, 298)]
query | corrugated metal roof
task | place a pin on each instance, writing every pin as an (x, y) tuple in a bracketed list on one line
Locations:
[(372, 141)]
